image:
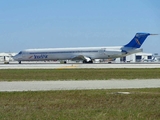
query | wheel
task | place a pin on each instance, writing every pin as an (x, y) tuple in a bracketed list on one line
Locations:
[(84, 61), (19, 62), (91, 61)]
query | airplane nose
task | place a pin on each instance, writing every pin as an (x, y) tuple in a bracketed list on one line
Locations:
[(15, 57)]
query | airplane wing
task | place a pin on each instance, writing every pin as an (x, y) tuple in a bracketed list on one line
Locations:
[(81, 57)]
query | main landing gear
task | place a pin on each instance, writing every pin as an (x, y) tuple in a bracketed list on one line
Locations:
[(84, 61)]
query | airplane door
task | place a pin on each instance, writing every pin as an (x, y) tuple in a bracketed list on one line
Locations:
[(22, 57)]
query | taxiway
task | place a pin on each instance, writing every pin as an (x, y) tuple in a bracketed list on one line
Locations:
[(77, 85)]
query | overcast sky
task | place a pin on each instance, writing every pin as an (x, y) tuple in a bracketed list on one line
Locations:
[(77, 23)]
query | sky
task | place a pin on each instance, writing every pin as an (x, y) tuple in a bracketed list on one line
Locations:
[(28, 24)]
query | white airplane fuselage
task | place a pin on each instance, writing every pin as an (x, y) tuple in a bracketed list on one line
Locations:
[(90, 53), (85, 54)]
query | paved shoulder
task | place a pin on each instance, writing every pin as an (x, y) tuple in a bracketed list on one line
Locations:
[(78, 85)]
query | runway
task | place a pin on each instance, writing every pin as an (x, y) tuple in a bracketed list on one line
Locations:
[(77, 85), (28, 65)]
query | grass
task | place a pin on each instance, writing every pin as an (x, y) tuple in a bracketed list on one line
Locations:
[(78, 74), (142, 104)]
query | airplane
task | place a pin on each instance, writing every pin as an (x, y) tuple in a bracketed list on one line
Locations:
[(85, 54)]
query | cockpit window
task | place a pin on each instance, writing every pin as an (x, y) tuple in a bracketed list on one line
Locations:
[(20, 52)]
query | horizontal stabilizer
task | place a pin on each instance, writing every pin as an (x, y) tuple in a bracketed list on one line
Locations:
[(154, 34)]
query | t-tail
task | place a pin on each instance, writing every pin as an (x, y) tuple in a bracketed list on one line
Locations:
[(134, 45), (138, 40)]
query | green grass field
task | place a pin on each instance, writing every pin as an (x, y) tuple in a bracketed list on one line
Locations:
[(78, 74), (141, 104)]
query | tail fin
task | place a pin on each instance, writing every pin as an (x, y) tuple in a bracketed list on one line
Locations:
[(138, 40)]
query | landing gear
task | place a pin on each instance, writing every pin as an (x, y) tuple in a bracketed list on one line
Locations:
[(84, 61), (19, 62), (63, 61), (91, 61)]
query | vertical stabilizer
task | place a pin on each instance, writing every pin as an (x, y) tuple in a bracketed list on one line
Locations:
[(138, 40)]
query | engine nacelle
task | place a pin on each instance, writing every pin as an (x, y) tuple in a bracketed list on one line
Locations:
[(114, 53)]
